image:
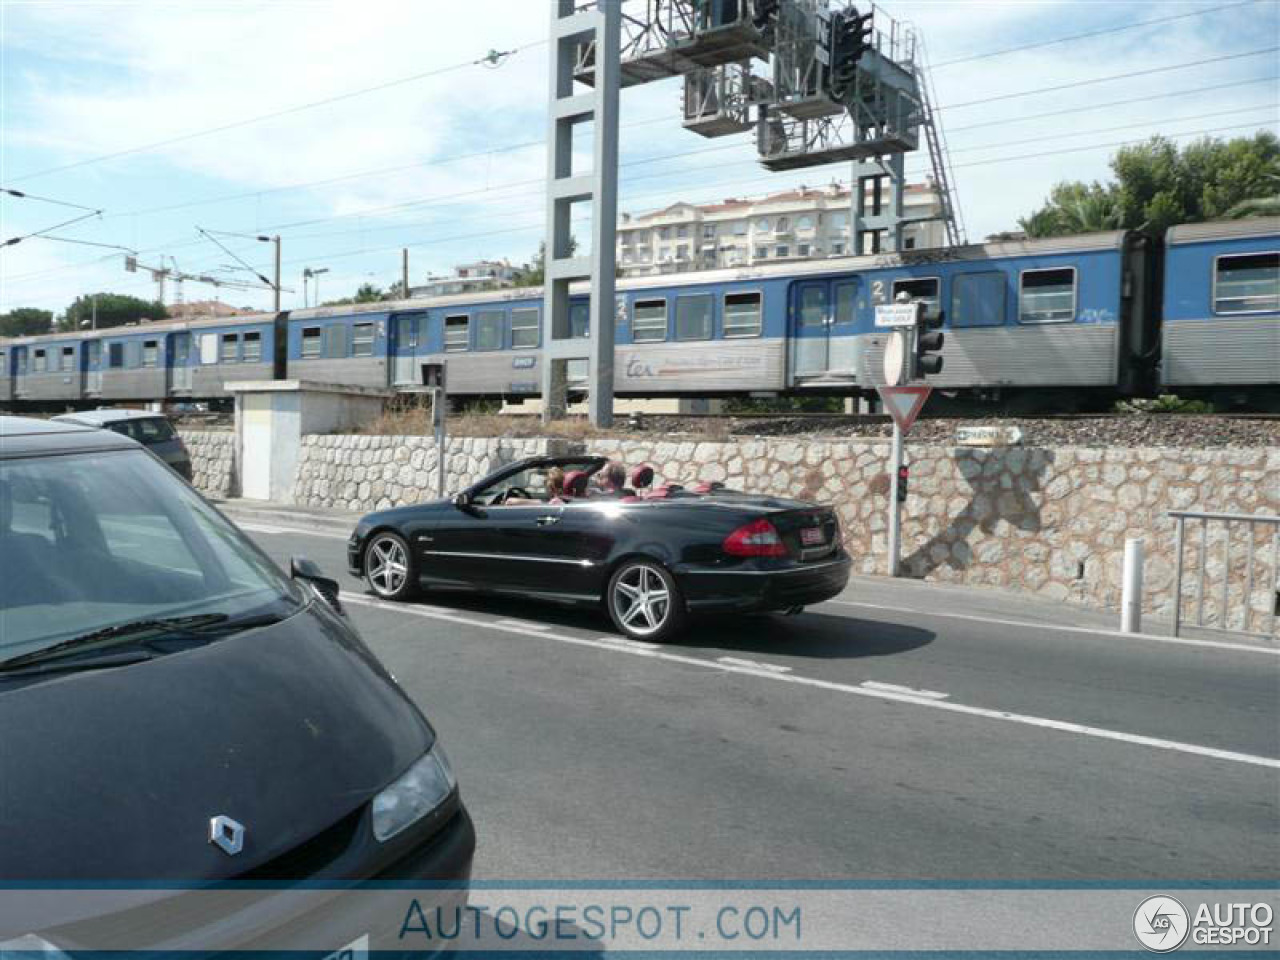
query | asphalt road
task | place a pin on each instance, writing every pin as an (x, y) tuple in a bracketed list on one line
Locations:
[(851, 741)]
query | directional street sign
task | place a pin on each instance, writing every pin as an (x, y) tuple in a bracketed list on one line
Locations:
[(904, 403)]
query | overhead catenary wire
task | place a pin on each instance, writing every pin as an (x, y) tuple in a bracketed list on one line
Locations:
[(273, 115), (1205, 11)]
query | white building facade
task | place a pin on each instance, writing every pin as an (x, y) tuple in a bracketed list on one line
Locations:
[(469, 278), (801, 224)]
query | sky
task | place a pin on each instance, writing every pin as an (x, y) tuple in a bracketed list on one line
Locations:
[(170, 117)]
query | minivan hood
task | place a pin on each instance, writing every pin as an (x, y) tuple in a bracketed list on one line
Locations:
[(115, 774)]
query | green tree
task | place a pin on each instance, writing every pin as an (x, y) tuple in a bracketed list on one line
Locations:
[(25, 322), (1158, 185), (113, 310), (533, 273), (365, 293)]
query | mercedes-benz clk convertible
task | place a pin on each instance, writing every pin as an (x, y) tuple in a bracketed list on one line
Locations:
[(651, 555)]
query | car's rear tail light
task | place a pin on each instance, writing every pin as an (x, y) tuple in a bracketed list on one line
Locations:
[(759, 538)]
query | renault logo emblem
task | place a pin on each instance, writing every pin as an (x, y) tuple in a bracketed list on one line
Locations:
[(226, 834)]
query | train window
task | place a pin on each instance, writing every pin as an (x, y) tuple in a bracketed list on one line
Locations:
[(230, 348), (742, 314), (252, 347), (406, 333), (694, 316), (649, 321), (457, 333), (335, 341), (39, 362), (813, 306), (1047, 296), (150, 351), (489, 330), (20, 361), (4, 367), (524, 328), (1249, 283), (845, 298), (579, 321), (362, 340), (424, 328), (115, 355), (310, 343), (68, 358), (977, 299), (924, 289)]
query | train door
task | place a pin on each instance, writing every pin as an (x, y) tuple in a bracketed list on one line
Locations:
[(21, 357), (92, 360), (405, 331), (180, 362), (822, 327)]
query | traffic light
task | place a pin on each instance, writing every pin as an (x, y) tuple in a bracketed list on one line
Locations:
[(765, 13), (851, 34), (904, 474), (929, 340)]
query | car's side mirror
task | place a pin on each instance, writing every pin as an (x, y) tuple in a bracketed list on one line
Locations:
[(300, 568), (461, 501)]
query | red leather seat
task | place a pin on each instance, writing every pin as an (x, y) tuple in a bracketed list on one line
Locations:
[(575, 483), (641, 476)]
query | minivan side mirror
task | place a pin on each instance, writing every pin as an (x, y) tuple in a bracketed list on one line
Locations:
[(300, 568)]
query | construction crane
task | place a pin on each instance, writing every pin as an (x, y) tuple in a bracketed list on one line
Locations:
[(162, 273)]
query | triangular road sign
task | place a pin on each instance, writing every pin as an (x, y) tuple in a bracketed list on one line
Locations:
[(904, 403)]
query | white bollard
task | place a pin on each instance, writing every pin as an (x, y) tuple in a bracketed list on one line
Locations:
[(1131, 597)]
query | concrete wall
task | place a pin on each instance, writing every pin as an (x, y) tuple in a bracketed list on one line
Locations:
[(211, 460), (1046, 521)]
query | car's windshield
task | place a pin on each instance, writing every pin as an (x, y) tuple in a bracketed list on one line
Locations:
[(531, 482), (92, 540)]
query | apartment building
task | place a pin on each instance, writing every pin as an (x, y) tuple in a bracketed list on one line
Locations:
[(469, 278), (800, 224)]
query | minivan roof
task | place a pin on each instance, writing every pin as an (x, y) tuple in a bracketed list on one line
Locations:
[(104, 415), (28, 437)]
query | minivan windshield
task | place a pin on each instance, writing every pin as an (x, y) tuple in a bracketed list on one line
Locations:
[(94, 540)]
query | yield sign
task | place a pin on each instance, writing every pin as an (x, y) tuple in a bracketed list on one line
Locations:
[(904, 403)]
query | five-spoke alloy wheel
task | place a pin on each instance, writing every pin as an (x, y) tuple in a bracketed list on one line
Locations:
[(389, 568), (645, 602)]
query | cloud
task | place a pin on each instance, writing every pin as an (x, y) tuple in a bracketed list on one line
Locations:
[(86, 79)]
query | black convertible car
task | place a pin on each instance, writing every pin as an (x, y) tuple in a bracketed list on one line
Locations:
[(651, 557)]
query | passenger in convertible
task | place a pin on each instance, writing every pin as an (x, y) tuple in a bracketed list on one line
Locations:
[(612, 480), (555, 485)]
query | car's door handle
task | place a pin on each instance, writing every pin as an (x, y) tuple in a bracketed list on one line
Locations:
[(547, 521)]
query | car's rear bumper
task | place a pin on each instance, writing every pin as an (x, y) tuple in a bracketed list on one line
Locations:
[(746, 590)]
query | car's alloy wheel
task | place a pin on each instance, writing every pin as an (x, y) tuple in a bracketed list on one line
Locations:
[(645, 602), (388, 568)]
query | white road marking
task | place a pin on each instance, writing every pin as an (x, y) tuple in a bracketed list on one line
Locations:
[(524, 623), (909, 691), (1096, 631), (755, 664), (630, 647), (625, 642), (268, 529)]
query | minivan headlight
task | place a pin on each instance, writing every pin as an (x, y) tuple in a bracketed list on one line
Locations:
[(418, 791)]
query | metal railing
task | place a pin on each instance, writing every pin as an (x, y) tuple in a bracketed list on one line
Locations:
[(1254, 564)]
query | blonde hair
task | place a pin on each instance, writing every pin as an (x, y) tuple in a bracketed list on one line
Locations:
[(555, 482)]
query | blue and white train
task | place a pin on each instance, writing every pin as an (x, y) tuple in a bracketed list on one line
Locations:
[(1063, 323)]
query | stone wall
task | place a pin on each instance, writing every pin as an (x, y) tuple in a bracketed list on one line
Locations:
[(212, 454), (1046, 521), (362, 473)]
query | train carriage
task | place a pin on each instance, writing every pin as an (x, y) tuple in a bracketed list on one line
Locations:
[(1221, 335)]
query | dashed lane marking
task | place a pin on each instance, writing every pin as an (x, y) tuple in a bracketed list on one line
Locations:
[(754, 664), (877, 692), (908, 691), (524, 623)]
